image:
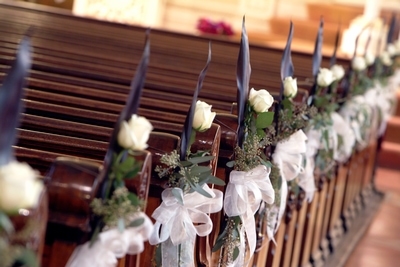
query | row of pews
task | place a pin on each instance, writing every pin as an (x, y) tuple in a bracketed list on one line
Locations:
[(77, 86)]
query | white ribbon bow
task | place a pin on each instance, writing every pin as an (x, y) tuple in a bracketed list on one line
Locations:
[(343, 150), (289, 155), (243, 196), (358, 113), (181, 222), (306, 178), (112, 245)]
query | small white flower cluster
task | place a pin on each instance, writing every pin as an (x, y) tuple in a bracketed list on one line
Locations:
[(327, 76)]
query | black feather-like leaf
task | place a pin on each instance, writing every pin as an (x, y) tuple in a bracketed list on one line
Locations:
[(11, 93), (243, 72), (131, 106), (132, 102), (317, 56), (287, 68), (391, 29), (187, 127), (333, 58), (367, 43), (368, 26)]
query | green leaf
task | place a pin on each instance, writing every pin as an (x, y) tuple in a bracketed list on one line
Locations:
[(135, 201), (265, 163), (137, 222), (199, 160), (199, 169), (127, 164), (264, 120), (27, 257), (215, 180), (6, 224), (132, 173), (235, 253), (121, 224), (204, 177), (200, 190), (220, 240), (185, 163), (118, 183), (261, 133), (177, 194), (230, 164), (287, 104)]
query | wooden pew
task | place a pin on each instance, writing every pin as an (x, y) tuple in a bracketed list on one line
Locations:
[(112, 51)]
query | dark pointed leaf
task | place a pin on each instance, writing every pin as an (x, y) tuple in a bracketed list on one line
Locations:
[(317, 56), (132, 102), (333, 58), (11, 93), (131, 106), (392, 28), (368, 26), (287, 68), (367, 43), (243, 72), (187, 127)]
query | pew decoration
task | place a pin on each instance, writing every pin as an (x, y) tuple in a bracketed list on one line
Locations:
[(249, 183), (21, 190), (121, 227), (183, 213), (288, 141)]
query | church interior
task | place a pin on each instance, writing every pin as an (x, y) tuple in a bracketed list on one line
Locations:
[(247, 133)]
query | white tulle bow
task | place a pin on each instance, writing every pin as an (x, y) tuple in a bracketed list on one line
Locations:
[(344, 149), (306, 178), (179, 223), (112, 244), (289, 155), (243, 196)]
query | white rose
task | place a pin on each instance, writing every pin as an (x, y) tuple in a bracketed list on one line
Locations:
[(386, 59), (203, 117), (338, 72), (290, 87), (260, 100), (134, 133), (369, 58), (325, 77), (391, 49), (359, 64), (19, 186)]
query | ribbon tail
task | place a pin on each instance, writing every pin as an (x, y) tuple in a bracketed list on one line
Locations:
[(169, 254)]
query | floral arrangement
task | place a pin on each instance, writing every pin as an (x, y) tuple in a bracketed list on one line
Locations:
[(257, 182), (182, 214), (21, 190), (120, 227), (20, 187), (205, 25)]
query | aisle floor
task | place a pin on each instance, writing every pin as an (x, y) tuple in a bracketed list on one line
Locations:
[(380, 246)]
